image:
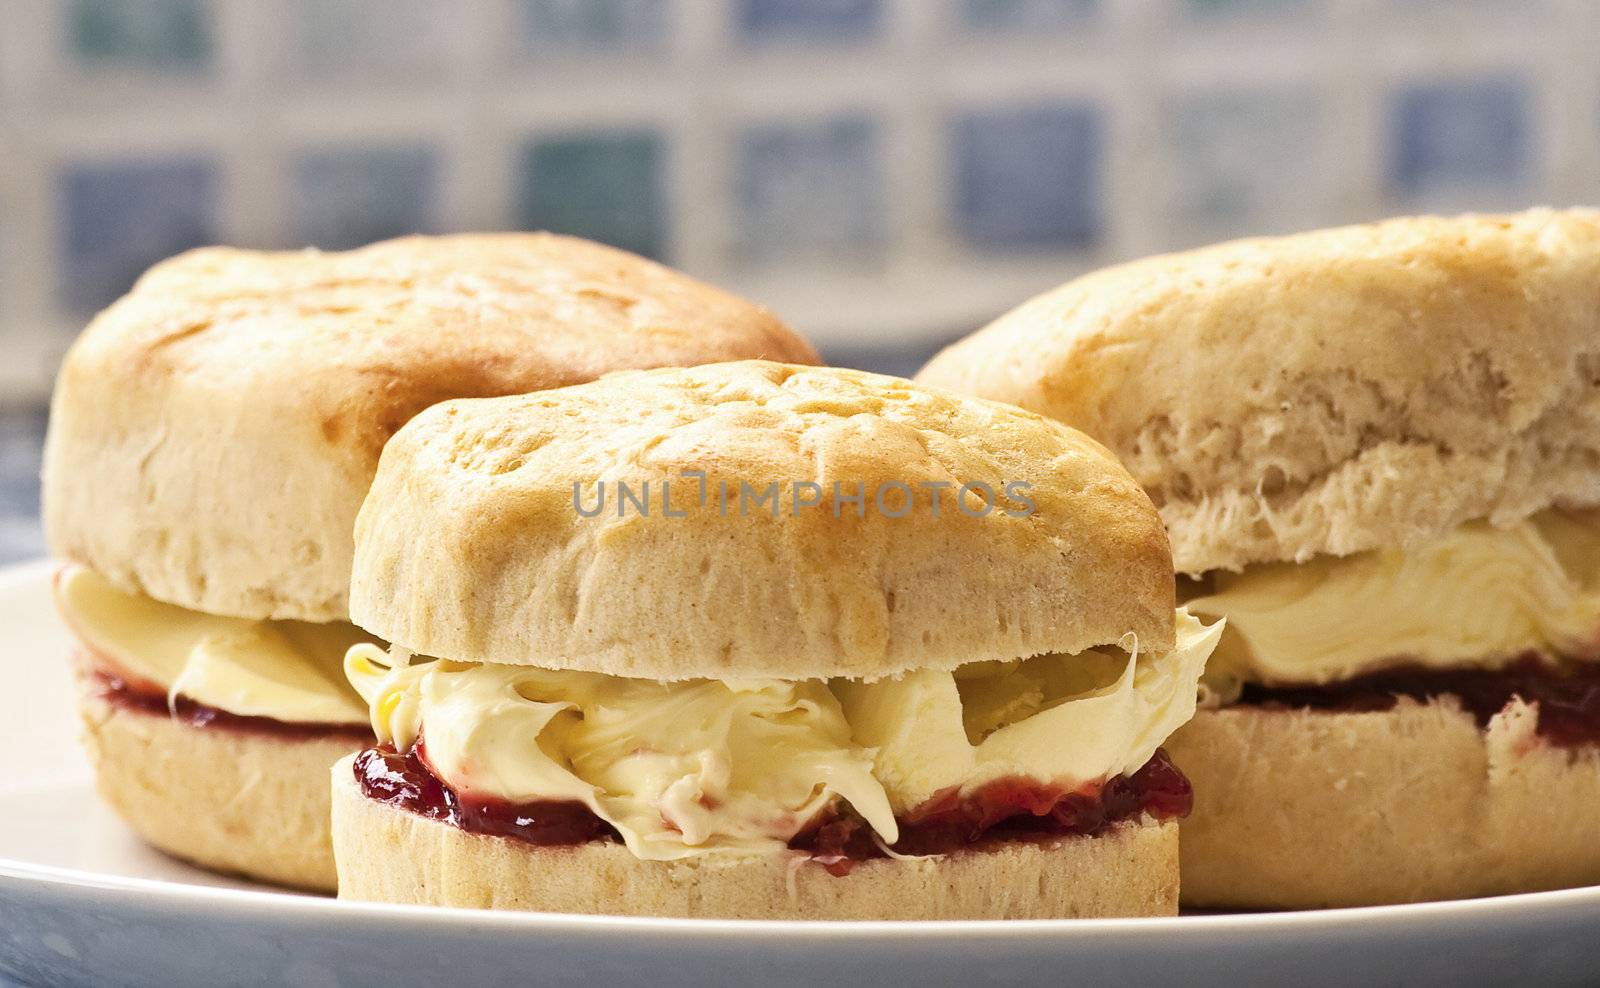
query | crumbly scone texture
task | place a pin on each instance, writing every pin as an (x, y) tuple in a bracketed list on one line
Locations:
[(387, 854), (471, 545), (1328, 392), (213, 433), (1298, 809), (231, 801)]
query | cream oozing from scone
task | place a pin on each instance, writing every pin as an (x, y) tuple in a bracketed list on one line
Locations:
[(699, 766), (711, 767), (1478, 598), (1058, 719), (285, 670)]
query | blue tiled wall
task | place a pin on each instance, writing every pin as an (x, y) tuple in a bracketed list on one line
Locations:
[(1021, 176), (931, 160)]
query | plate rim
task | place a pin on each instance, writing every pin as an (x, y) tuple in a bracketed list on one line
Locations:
[(159, 892)]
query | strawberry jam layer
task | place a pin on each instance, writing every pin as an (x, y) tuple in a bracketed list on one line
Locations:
[(1568, 698), (1007, 809), (121, 692), (405, 781)]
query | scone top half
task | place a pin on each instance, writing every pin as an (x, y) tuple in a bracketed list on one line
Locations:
[(213, 433), (775, 628), (1374, 446)]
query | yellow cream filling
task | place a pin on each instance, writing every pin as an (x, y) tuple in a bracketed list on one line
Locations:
[(677, 768), (738, 768), (1477, 598), (1058, 719), (286, 670)]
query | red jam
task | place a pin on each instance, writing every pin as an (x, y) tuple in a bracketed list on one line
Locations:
[(147, 699), (1007, 809), (1568, 698), (405, 781)]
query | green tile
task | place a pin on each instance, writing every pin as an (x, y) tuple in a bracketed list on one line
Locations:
[(606, 186), (1027, 15), (593, 25), (155, 35)]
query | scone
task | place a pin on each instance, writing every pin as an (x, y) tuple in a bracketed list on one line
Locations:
[(755, 640), (1377, 452), (211, 438)]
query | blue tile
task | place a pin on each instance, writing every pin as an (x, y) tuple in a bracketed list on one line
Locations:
[(346, 197), (21, 540), (381, 37), (593, 25), (152, 35), (21, 439), (1250, 9), (1029, 176), (896, 359), (1460, 134), (809, 20), (809, 187), (1246, 161), (1027, 15), (606, 186), (121, 217), (1524, 9)]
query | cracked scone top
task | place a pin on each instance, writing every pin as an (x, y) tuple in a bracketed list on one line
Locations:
[(1329, 392), (214, 431), (471, 546)]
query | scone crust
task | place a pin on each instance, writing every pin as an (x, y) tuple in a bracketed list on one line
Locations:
[(1328, 392), (471, 545), (1310, 809), (213, 432), (232, 801), (391, 855)]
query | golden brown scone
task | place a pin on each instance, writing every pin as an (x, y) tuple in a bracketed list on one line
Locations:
[(1327, 392), (212, 433), (1300, 809), (250, 803), (470, 547), (387, 854)]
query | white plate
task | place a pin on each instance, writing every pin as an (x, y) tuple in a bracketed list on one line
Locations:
[(82, 902)]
